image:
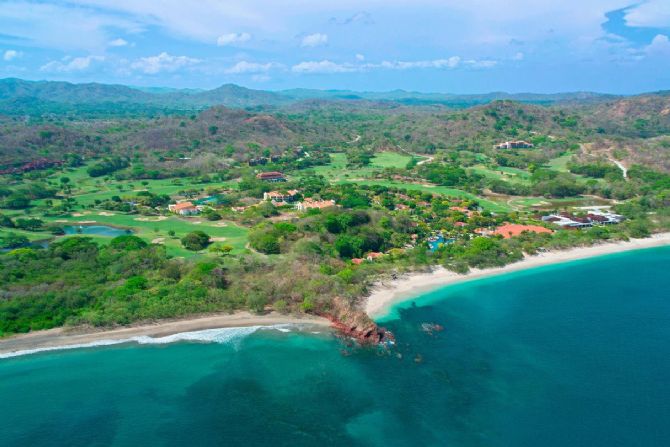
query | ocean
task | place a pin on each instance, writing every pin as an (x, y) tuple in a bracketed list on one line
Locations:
[(576, 354)]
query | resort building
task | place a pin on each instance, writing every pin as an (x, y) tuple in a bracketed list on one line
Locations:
[(271, 176), (596, 217), (281, 198), (183, 208), (520, 144), (509, 230), (309, 204)]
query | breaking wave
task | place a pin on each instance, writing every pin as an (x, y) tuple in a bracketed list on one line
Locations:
[(221, 335)]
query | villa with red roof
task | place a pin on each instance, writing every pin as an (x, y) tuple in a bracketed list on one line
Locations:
[(280, 198), (271, 176), (509, 230), (183, 208), (310, 203)]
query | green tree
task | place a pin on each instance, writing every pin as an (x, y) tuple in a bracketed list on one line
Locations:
[(127, 243), (195, 240)]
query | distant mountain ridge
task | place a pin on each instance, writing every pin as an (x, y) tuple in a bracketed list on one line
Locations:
[(18, 96)]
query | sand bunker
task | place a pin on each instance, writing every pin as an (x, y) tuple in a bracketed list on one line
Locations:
[(150, 219), (158, 240), (105, 213)]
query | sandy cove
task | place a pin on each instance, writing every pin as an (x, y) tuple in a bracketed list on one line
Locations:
[(63, 337), (384, 295)]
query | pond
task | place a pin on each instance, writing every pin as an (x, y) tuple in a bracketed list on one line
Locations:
[(97, 230)]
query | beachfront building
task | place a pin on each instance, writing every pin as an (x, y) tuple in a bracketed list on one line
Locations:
[(595, 217), (183, 208), (520, 144), (281, 198), (509, 230), (310, 203), (271, 176)]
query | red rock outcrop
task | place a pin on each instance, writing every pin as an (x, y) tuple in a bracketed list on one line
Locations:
[(356, 324)]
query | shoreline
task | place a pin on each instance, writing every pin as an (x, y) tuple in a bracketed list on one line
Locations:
[(386, 294), (64, 337)]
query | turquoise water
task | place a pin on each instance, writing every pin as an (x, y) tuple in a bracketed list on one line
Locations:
[(98, 230), (570, 355)]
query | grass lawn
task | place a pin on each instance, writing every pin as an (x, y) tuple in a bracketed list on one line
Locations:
[(337, 170), (150, 229), (545, 203), (503, 173), (560, 163), (86, 189), (486, 204), (31, 235)]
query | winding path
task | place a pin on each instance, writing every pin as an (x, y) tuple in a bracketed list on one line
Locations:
[(620, 166)]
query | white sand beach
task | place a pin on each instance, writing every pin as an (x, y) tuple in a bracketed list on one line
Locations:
[(63, 337), (385, 294)]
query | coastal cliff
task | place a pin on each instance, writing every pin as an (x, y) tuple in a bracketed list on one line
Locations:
[(355, 323)]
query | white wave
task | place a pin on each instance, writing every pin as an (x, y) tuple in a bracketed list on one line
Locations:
[(221, 335)]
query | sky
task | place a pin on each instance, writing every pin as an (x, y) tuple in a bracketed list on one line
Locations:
[(450, 46)]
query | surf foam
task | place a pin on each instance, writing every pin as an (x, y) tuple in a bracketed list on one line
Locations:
[(221, 335)]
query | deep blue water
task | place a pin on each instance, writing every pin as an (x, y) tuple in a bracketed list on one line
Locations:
[(569, 355)]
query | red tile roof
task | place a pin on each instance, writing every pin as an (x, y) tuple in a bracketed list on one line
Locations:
[(509, 230), (182, 206), (270, 175)]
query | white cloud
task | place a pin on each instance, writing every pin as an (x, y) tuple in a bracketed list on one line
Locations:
[(314, 40), (660, 45), (163, 62), (360, 57), (62, 26), (324, 66), (118, 42), (652, 13), (327, 66), (251, 67), (451, 62), (260, 78), (518, 56), (11, 55), (480, 64), (69, 65), (232, 38)]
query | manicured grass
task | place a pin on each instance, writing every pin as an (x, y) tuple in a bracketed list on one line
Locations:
[(542, 202), (31, 235), (503, 173), (337, 170), (560, 163), (153, 229), (485, 203), (86, 189)]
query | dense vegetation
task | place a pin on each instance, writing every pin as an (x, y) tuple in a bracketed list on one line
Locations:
[(403, 176)]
